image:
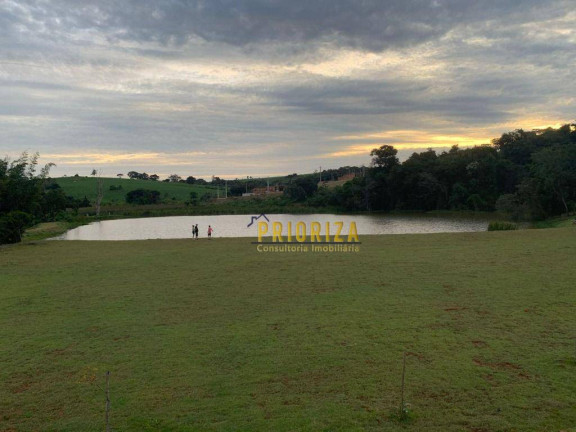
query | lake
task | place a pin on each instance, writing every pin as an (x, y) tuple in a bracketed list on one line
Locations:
[(179, 227)]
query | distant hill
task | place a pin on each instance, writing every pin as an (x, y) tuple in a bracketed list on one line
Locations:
[(80, 187)]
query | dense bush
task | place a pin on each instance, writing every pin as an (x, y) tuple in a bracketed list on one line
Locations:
[(502, 226), (143, 196), (13, 225), (27, 197)]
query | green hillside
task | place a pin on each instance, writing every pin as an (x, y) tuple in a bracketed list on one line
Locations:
[(80, 187)]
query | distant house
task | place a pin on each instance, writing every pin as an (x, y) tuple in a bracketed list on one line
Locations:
[(268, 190)]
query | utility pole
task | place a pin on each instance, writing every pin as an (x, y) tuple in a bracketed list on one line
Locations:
[(267, 185), (320, 172), (226, 193)]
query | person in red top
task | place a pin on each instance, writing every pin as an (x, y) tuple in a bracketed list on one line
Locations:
[(210, 231)]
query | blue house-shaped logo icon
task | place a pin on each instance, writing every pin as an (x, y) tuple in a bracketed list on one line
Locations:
[(255, 218)]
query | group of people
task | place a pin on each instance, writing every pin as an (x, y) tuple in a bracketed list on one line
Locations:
[(195, 231)]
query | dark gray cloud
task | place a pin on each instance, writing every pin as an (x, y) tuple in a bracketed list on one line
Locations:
[(366, 24), (395, 96)]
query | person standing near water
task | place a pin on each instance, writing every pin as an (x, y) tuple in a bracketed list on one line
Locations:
[(196, 231), (210, 231)]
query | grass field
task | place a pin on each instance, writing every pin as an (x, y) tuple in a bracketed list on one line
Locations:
[(80, 187), (214, 336)]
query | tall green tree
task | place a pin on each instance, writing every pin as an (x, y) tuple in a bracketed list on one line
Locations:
[(22, 192), (555, 168)]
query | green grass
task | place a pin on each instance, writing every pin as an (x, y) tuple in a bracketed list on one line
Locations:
[(214, 336), (47, 230), (556, 222), (79, 187)]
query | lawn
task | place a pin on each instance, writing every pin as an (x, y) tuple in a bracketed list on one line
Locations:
[(80, 187), (214, 336)]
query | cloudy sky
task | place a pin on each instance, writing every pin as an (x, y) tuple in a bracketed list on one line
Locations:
[(263, 87)]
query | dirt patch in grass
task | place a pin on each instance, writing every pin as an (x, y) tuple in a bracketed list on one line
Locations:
[(22, 387), (419, 356), (455, 308), (504, 366), (499, 365)]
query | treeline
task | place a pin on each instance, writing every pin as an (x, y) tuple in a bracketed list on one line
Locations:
[(172, 178), (28, 197), (526, 174)]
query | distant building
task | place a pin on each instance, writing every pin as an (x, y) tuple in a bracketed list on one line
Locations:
[(268, 190)]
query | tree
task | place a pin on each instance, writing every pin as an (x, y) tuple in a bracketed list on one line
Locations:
[(119, 175), (22, 194), (295, 192), (154, 177), (206, 197), (143, 196), (217, 181), (53, 202), (384, 157), (174, 178), (308, 184), (517, 146), (555, 167), (193, 198), (99, 190), (85, 202), (190, 180)]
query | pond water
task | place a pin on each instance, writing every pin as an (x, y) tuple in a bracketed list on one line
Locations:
[(179, 227)]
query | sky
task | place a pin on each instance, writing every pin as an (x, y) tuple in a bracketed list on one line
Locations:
[(237, 88)]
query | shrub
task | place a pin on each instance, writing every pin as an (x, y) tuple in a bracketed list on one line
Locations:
[(13, 225), (502, 226), (85, 203), (143, 196)]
